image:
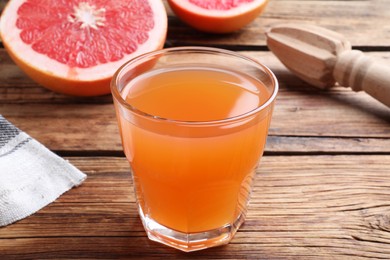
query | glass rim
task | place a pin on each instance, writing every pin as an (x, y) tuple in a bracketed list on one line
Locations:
[(193, 49)]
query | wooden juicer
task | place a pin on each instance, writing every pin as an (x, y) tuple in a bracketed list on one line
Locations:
[(322, 57)]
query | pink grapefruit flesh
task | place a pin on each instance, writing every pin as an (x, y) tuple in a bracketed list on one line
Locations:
[(75, 46)]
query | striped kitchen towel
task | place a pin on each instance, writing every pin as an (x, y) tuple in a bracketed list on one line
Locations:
[(31, 176)]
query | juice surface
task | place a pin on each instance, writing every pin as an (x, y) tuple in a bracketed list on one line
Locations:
[(194, 93), (189, 182)]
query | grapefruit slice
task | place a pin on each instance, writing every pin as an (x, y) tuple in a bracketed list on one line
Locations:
[(75, 46), (217, 16)]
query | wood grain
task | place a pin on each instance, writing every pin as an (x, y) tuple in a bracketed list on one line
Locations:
[(340, 16), (310, 207), (61, 122), (92, 128)]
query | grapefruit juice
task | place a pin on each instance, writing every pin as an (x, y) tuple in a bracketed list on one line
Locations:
[(193, 123), (191, 180)]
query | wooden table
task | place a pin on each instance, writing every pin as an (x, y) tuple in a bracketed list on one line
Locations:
[(322, 190)]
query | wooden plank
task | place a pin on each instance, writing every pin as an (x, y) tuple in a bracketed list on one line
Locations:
[(92, 128), (326, 145), (2, 5), (302, 207), (370, 18), (61, 122), (142, 248)]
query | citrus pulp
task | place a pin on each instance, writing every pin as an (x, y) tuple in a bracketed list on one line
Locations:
[(75, 46)]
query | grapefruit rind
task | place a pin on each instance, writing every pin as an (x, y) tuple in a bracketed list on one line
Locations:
[(58, 76), (217, 21)]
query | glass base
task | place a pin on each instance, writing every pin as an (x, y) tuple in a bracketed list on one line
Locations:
[(189, 242)]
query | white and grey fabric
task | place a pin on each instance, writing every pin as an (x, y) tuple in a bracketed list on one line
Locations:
[(31, 176)]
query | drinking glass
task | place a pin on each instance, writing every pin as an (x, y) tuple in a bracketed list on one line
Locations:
[(193, 123)]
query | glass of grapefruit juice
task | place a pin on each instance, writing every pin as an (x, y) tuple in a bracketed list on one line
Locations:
[(193, 123)]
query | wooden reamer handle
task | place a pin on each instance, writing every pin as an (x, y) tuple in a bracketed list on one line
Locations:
[(356, 70)]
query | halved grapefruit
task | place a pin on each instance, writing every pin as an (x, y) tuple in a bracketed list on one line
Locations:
[(75, 46), (217, 16)]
